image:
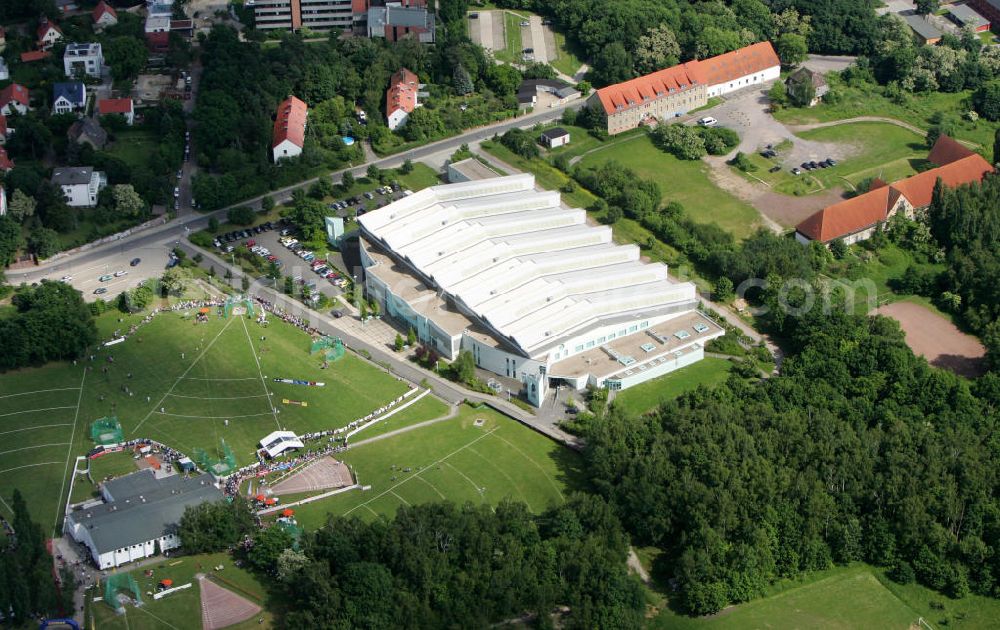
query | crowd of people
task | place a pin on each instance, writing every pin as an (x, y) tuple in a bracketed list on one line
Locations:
[(284, 316)]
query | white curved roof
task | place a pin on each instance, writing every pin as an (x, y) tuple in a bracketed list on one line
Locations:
[(533, 270)]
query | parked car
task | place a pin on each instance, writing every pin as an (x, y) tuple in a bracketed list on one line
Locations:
[(119, 274), (100, 291), (135, 262), (525, 23), (774, 169), (177, 191), (337, 313), (105, 277), (708, 121), (66, 278), (831, 161), (796, 171), (473, 16)]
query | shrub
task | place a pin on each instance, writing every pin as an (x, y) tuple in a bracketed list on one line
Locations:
[(241, 215), (742, 162)]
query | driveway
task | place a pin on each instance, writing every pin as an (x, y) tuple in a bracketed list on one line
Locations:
[(828, 63), (748, 114)]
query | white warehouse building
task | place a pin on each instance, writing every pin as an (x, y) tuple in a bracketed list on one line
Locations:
[(139, 512), (525, 284)]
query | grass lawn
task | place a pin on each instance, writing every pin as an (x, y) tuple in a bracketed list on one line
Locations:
[(647, 396), (546, 175), (685, 181), (855, 596), (134, 146), (422, 176), (196, 377), (566, 60), (455, 460), (849, 597), (881, 150), (871, 272), (917, 110), (181, 609)]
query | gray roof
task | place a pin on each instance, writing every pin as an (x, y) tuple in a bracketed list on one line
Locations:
[(142, 482), (555, 132), (407, 16), (967, 16), (922, 27), (137, 518), (72, 175), (90, 128)]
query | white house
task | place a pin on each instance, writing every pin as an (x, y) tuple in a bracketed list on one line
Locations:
[(80, 185), (123, 106), (3, 201), (80, 59), (138, 514), (48, 34), (289, 129), (68, 97), (14, 99), (555, 137)]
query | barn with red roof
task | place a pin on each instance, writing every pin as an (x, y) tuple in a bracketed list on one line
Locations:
[(857, 219), (289, 129)]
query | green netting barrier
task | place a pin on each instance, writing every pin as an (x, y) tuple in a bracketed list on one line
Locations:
[(242, 305), (115, 584), (217, 466), (294, 531), (332, 347), (107, 430)]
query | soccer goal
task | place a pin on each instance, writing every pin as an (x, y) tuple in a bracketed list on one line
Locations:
[(332, 347), (238, 305), (107, 430), (121, 584)]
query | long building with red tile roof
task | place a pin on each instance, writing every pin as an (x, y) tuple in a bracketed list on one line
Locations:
[(673, 91), (856, 219), (401, 98), (289, 129)]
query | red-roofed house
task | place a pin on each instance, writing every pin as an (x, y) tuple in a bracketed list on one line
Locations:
[(48, 34), (123, 106), (35, 55), (158, 42), (14, 98), (5, 162), (857, 219), (674, 91), (104, 16), (4, 130), (289, 129), (401, 99)]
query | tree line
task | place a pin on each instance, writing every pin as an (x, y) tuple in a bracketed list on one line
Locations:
[(48, 322)]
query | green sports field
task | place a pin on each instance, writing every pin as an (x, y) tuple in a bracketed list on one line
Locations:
[(178, 382), (456, 460), (181, 609)]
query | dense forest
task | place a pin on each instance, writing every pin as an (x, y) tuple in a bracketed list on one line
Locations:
[(447, 566), (623, 39), (859, 451)]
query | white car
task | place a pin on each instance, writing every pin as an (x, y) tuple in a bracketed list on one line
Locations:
[(119, 274), (66, 278), (708, 121), (177, 191)]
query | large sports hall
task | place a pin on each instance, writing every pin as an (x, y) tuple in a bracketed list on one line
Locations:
[(525, 284)]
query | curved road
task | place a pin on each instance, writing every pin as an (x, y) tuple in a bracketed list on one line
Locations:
[(154, 241)]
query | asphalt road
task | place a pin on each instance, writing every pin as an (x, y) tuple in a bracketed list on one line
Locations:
[(154, 243)]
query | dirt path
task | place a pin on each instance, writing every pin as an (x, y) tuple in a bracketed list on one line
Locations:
[(635, 565)]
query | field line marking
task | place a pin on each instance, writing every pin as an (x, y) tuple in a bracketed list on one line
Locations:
[(155, 617), (14, 413), (6, 505), (44, 426), (506, 476), (466, 477), (365, 505), (540, 469), (217, 397), (196, 378), (69, 452), (181, 377), (393, 493), (7, 470), (177, 415), (25, 448), (431, 465), (40, 391), (433, 487), (260, 372)]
